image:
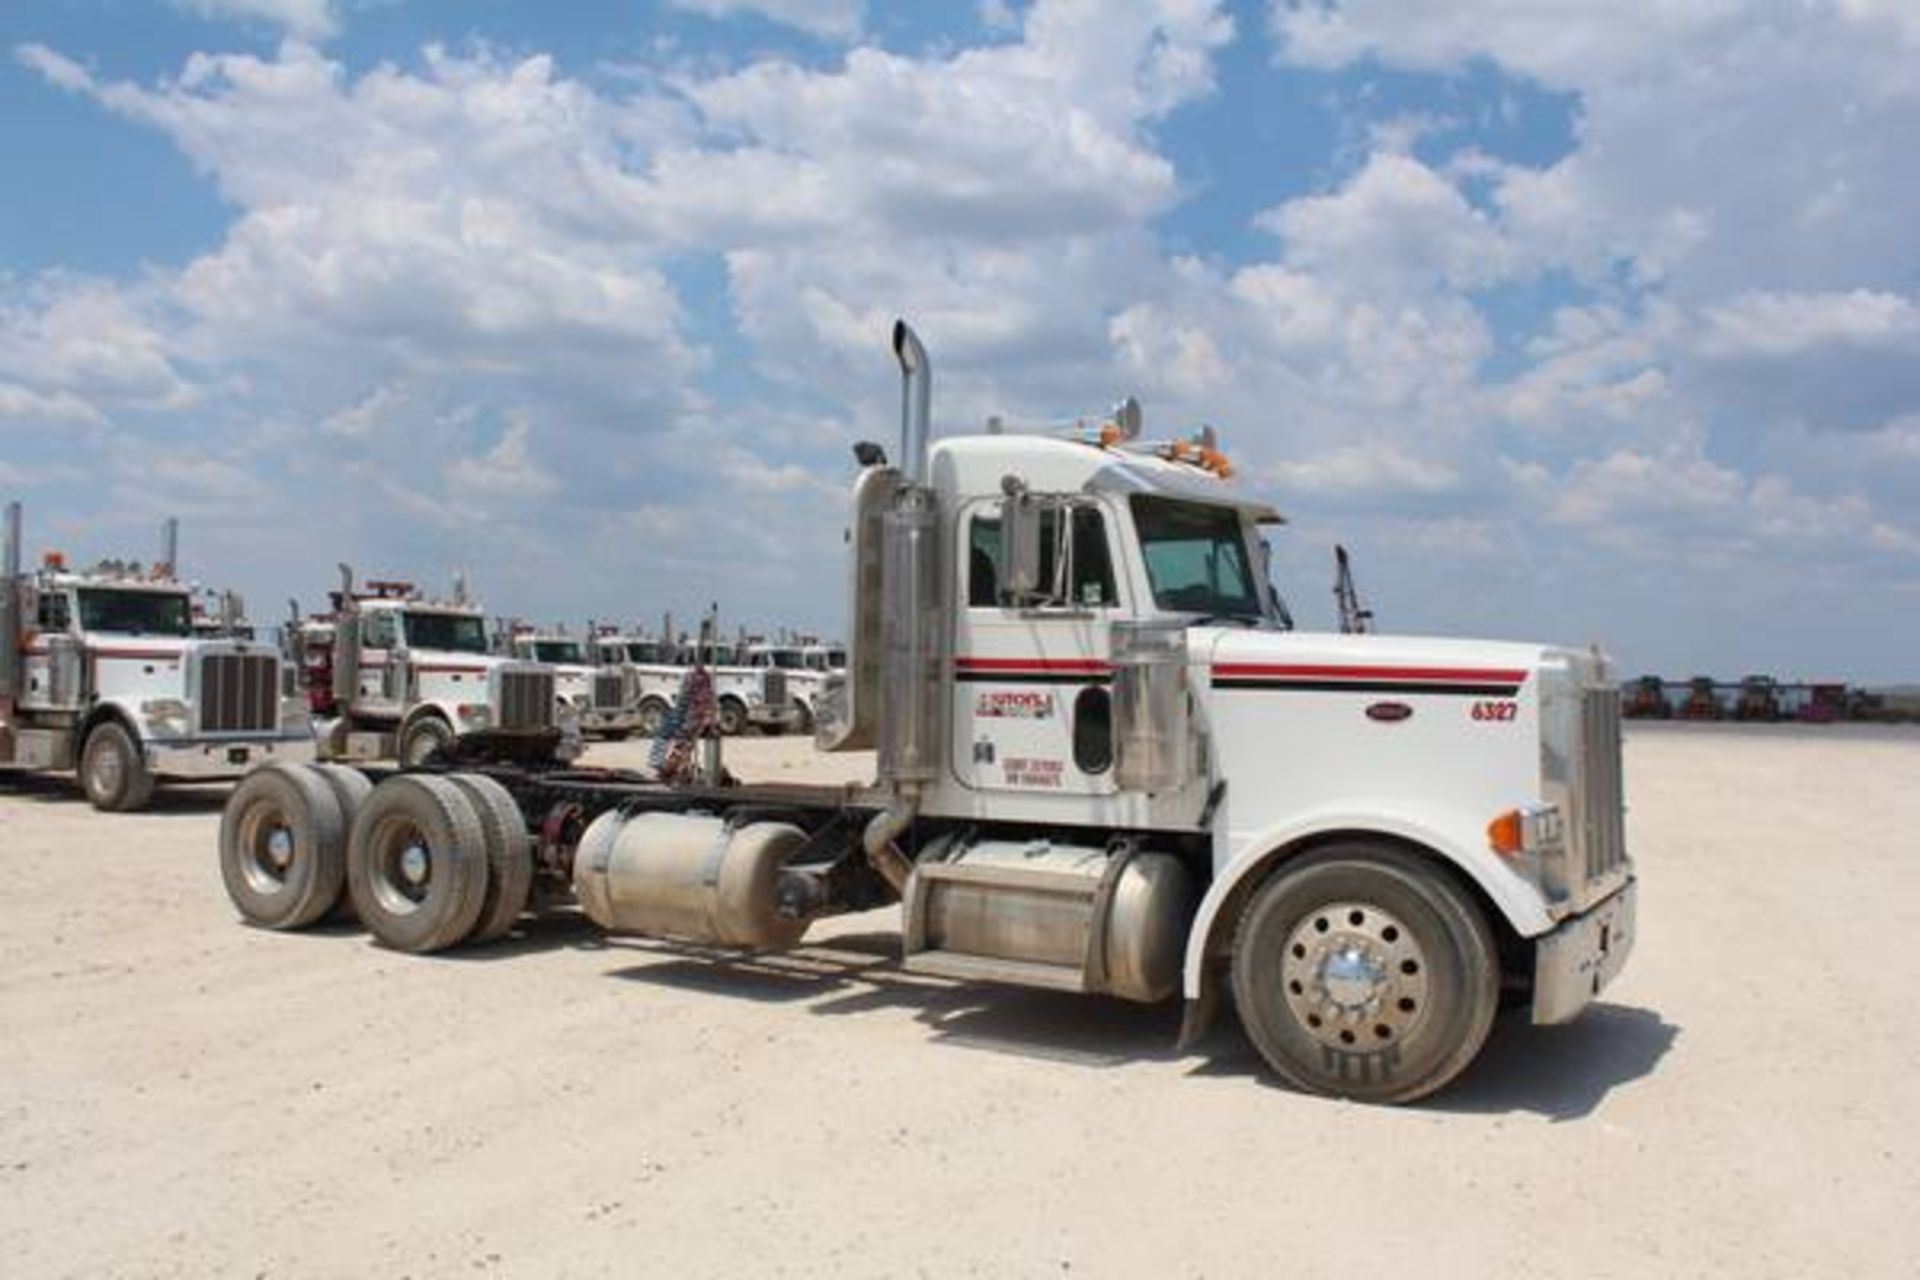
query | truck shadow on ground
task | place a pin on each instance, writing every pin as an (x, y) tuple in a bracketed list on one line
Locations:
[(168, 800), (1562, 1073)]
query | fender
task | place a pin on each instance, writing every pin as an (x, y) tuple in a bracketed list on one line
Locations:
[(1517, 900), (443, 712), (101, 712)]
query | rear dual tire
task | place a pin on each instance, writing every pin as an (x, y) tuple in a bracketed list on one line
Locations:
[(417, 864), (283, 846)]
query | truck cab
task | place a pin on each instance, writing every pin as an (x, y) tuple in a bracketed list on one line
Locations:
[(746, 695), (593, 692), (802, 670), (1067, 649), (410, 674), (104, 672)]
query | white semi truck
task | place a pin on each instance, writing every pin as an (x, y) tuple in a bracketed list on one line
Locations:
[(649, 666), (594, 692), (1105, 765), (806, 669), (407, 675), (102, 671)]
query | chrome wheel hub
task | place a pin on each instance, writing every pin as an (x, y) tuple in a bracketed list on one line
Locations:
[(414, 864), (1354, 976), (279, 848)]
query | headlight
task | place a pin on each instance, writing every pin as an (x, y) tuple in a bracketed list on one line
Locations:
[(167, 716), (477, 714)]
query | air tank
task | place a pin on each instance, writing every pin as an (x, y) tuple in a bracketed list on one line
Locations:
[(688, 876)]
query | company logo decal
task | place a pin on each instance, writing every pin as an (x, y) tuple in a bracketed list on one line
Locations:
[(1014, 704)]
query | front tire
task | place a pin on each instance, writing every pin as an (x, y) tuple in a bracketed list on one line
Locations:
[(419, 740), (733, 717), (653, 717), (113, 772), (1362, 971)]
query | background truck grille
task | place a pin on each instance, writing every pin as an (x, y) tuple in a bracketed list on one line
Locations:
[(775, 689), (239, 693), (1601, 820), (609, 691), (526, 699)]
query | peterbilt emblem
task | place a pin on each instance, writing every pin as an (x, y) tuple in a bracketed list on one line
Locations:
[(1389, 712)]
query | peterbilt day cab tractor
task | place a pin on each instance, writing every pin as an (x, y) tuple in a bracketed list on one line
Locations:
[(409, 674), (594, 692), (102, 671), (1104, 765), (748, 696), (652, 679), (803, 671)]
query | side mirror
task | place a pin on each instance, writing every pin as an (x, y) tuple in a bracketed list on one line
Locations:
[(1019, 543)]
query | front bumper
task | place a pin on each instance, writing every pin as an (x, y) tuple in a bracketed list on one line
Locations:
[(623, 720), (763, 715), (1582, 955), (210, 759)]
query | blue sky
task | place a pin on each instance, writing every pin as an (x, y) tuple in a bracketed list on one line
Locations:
[(1596, 324)]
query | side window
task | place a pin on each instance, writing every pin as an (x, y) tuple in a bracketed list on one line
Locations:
[(1093, 584), (54, 615), (378, 632)]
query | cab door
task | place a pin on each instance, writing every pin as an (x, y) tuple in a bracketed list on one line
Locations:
[(1032, 690)]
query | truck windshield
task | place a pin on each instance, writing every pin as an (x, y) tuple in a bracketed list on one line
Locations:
[(134, 613), (558, 651), (1196, 556), (448, 632), (785, 659), (644, 653)]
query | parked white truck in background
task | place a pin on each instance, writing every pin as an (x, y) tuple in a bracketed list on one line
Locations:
[(652, 678), (806, 669), (595, 693), (408, 674), (1105, 765), (102, 671), (749, 696)]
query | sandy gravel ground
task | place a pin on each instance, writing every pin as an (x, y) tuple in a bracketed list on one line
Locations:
[(182, 1096)]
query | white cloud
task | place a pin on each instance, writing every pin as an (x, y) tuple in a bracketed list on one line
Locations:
[(1395, 226), (307, 19), (831, 19), (506, 471), (1378, 466), (1778, 324)]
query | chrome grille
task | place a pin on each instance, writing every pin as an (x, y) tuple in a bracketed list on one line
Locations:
[(526, 699), (1601, 800), (775, 688), (239, 693), (609, 691)]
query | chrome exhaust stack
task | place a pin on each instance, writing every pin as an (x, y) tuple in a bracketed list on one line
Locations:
[(913, 692), (169, 547), (346, 644), (10, 620)]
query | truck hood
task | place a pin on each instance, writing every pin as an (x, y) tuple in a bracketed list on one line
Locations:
[(109, 644), (1332, 657)]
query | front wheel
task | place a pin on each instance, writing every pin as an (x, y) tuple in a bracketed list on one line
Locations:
[(653, 717), (733, 718), (1362, 971), (419, 740), (113, 772)]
